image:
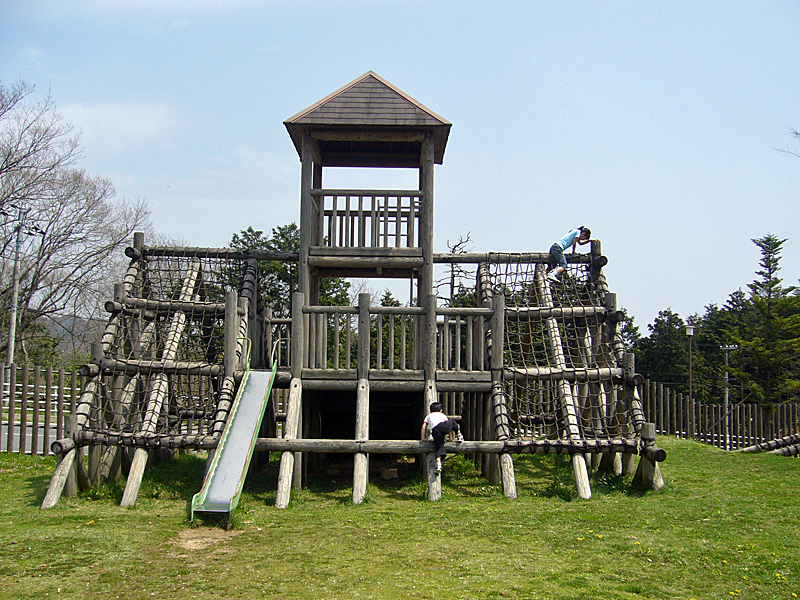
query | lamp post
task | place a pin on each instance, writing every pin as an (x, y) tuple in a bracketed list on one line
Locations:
[(690, 335), (12, 322), (727, 349)]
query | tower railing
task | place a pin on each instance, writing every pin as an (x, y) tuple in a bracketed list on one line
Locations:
[(367, 218)]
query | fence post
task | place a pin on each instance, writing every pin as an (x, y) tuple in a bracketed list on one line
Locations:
[(3, 396), (36, 421), (12, 407), (23, 412), (48, 417)]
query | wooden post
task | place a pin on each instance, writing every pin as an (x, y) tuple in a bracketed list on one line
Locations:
[(286, 470), (48, 404), (11, 373), (37, 387), (426, 216), (23, 412), (499, 408), (649, 473), (306, 216), (360, 459), (430, 395)]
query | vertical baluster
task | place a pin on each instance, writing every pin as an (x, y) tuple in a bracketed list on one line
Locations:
[(361, 222), (348, 340), (385, 220), (336, 324), (333, 221), (348, 233), (374, 226), (470, 324), (458, 347), (403, 319), (397, 221), (379, 352)]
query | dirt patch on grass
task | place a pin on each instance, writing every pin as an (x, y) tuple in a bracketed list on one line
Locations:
[(201, 538)]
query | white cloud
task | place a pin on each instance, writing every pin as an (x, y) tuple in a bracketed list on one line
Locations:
[(118, 127)]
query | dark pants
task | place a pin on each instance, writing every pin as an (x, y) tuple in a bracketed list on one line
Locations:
[(440, 432), (557, 257)]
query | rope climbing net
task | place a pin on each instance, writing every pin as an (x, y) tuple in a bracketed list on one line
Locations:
[(562, 354), (159, 378)]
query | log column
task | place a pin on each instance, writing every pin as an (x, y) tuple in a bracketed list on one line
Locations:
[(499, 408), (287, 465), (430, 395), (649, 473), (361, 459)]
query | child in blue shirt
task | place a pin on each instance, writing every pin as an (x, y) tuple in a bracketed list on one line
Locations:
[(579, 236)]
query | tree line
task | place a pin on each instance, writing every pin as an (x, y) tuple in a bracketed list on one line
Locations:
[(759, 329)]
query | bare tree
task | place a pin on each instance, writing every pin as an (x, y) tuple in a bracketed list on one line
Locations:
[(453, 282), (796, 135), (74, 229)]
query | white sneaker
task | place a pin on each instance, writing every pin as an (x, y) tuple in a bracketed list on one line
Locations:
[(552, 276), (438, 467), (460, 437)]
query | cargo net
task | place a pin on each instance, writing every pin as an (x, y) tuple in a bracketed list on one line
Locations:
[(562, 380), (160, 377)]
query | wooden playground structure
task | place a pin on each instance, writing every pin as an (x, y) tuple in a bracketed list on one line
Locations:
[(532, 367)]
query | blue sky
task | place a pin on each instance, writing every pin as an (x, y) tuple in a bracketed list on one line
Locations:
[(657, 124)]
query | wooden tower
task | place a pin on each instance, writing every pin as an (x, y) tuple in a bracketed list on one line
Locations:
[(368, 234), (359, 233)]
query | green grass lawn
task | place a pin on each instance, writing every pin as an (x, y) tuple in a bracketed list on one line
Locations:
[(725, 526)]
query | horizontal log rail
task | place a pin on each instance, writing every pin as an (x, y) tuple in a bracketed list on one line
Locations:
[(564, 374), (789, 440), (163, 307), (207, 442), (541, 312), (147, 367), (320, 192), (506, 258), (218, 253)]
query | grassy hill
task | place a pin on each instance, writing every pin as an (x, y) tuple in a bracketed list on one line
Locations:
[(725, 526)]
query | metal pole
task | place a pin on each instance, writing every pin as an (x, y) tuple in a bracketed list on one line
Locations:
[(12, 321), (727, 349)]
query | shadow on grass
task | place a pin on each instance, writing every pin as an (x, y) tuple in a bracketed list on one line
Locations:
[(548, 476)]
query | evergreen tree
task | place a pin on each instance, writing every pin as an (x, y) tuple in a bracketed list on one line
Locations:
[(770, 342)]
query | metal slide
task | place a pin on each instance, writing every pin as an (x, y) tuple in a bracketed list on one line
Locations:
[(225, 477)]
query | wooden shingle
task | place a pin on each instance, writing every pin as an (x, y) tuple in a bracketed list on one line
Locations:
[(369, 108)]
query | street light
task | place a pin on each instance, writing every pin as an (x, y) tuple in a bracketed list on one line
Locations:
[(690, 335), (727, 349)]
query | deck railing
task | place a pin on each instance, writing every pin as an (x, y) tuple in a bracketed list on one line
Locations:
[(368, 218), (395, 338)]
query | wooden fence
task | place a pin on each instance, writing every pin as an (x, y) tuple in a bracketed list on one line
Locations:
[(36, 403), (738, 426)]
